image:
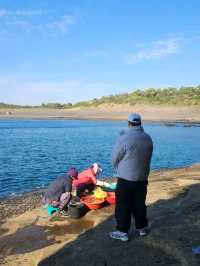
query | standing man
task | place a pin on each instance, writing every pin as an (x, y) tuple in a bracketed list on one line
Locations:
[(131, 158)]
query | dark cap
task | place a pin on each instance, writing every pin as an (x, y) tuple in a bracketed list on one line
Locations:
[(134, 118)]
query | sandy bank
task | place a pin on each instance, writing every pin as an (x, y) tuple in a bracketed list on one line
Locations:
[(173, 210), (110, 112)]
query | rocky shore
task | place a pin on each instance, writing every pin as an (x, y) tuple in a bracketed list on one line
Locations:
[(152, 113), (29, 237), (13, 206)]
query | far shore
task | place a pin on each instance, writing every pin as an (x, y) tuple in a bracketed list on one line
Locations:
[(149, 113)]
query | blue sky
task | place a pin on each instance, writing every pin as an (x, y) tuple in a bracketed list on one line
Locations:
[(68, 51)]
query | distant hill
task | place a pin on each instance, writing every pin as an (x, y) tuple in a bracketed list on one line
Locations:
[(162, 96), (166, 96)]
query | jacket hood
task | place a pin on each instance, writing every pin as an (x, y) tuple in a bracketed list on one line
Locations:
[(137, 128)]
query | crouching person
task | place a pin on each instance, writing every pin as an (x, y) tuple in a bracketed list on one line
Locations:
[(58, 193), (87, 180)]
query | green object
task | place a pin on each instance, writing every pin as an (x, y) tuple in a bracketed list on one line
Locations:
[(113, 185), (51, 210)]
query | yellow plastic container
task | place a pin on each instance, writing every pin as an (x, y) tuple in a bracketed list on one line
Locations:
[(99, 193)]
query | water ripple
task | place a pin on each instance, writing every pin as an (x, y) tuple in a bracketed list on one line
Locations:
[(33, 152)]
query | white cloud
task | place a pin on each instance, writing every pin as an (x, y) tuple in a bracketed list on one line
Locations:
[(62, 24), (24, 20), (27, 13), (20, 24), (20, 13), (158, 49)]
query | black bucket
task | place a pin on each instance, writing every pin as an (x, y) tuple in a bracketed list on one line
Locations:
[(77, 210)]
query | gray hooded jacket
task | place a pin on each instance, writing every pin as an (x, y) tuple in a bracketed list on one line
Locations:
[(132, 154)]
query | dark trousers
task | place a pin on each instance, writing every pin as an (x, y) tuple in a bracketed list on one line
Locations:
[(130, 201)]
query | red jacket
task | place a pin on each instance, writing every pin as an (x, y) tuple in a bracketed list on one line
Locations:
[(86, 177)]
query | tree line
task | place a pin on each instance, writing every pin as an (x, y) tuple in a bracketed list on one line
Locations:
[(162, 96)]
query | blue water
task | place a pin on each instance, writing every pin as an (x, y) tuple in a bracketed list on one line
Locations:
[(33, 152)]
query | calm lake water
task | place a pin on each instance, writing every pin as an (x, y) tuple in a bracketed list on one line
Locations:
[(33, 152)]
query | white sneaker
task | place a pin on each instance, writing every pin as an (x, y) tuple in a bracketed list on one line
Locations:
[(119, 235), (142, 231)]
